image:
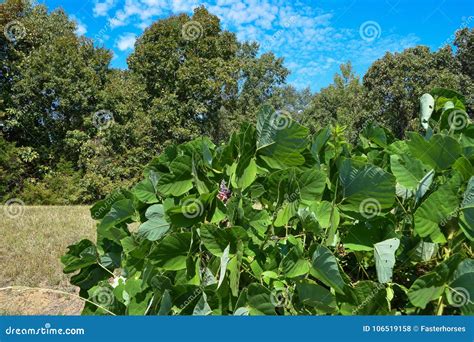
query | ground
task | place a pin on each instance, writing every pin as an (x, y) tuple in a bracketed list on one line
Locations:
[(31, 245)]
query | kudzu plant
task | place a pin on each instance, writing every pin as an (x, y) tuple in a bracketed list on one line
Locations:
[(279, 222)]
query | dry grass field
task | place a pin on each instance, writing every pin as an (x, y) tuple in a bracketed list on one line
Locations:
[(31, 245)]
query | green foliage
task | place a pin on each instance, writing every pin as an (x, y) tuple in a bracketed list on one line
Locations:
[(12, 168), (206, 83), (57, 187), (276, 222), (391, 88), (395, 82), (53, 83), (340, 102)]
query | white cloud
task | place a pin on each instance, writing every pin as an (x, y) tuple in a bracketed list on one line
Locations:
[(102, 8), (306, 36), (178, 6), (126, 41), (81, 28)]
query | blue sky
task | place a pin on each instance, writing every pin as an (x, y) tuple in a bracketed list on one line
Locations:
[(314, 37)]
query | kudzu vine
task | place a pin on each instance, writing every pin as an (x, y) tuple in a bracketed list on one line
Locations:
[(280, 222)]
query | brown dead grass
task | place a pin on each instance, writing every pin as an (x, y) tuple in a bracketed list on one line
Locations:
[(30, 249)]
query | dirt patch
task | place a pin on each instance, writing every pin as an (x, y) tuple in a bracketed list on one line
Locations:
[(38, 302)]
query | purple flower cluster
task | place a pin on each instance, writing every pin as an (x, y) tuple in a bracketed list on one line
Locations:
[(224, 192)]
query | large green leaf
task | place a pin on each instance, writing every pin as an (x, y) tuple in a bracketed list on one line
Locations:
[(407, 170), (216, 239), (180, 180), (467, 211), (367, 298), (80, 255), (363, 235), (156, 226), (246, 177), (433, 284), (102, 207), (384, 253), (202, 308), (316, 296), (440, 152), (234, 267), (280, 140), (326, 269), (437, 209), (366, 185), (192, 210), (145, 191), (286, 212), (224, 263), (260, 301), (244, 169), (293, 264), (427, 106), (171, 252), (311, 184), (461, 288), (166, 304), (120, 212)]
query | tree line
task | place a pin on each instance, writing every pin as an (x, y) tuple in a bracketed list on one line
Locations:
[(72, 128)]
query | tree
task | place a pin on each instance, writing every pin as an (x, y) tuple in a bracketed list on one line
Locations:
[(395, 83), (53, 84), (340, 102), (198, 75), (464, 43), (291, 100)]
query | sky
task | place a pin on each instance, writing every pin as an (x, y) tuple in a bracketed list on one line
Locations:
[(314, 37)]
